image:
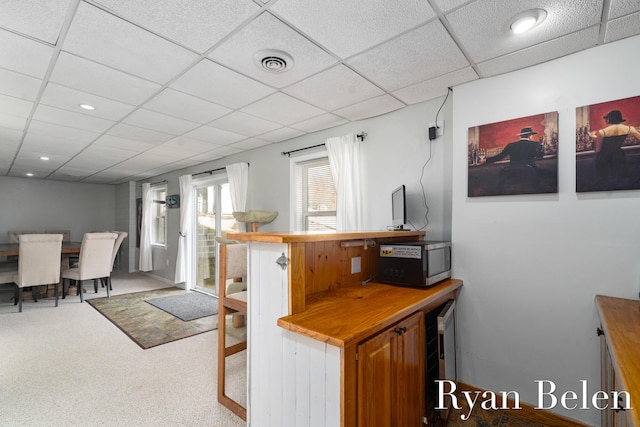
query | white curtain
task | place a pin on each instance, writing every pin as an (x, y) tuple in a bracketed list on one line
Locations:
[(185, 240), (146, 259), (344, 158), (238, 174)]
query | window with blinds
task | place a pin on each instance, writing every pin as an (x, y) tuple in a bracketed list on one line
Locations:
[(315, 196)]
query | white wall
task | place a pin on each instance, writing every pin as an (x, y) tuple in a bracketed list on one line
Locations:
[(39, 205), (533, 264), (394, 153)]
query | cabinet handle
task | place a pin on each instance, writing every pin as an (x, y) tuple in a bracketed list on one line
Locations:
[(401, 330), (600, 331)]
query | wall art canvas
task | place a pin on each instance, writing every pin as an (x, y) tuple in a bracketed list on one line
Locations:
[(518, 156), (608, 146)]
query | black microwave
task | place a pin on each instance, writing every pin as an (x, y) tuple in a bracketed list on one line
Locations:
[(416, 264)]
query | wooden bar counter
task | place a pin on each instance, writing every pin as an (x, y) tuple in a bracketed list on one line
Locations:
[(367, 309), (620, 320), (310, 316)]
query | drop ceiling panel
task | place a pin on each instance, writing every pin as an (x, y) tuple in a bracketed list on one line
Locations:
[(88, 76), (15, 107), (221, 85), (324, 121), (283, 109), (222, 151), (268, 32), (281, 134), (31, 160), (117, 143), (70, 99), (376, 106), (161, 122), (19, 85), (137, 133), (421, 54), (187, 107), (493, 37), (334, 88), (347, 27), (96, 158), (540, 53), (46, 137), (24, 55), (47, 114), (620, 8), (40, 19), (104, 38), (10, 143), (197, 24), (12, 122), (435, 87), (622, 27), (250, 144), (214, 136), (244, 124), (449, 5), (189, 145), (171, 154)]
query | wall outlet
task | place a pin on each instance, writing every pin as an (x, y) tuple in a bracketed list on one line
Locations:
[(356, 265), (439, 128)]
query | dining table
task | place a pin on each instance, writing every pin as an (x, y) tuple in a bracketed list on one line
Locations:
[(68, 249), (13, 249)]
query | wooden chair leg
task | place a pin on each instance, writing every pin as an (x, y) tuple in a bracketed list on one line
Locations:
[(20, 300), (55, 290), (79, 285)]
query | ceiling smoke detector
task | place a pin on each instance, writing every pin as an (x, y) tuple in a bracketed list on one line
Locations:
[(273, 61)]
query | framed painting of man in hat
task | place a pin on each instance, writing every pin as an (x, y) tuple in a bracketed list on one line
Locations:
[(518, 156), (608, 146)]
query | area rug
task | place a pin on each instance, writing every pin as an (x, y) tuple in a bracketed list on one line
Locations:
[(187, 306), (147, 325)]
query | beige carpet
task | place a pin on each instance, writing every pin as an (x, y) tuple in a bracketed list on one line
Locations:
[(69, 366)]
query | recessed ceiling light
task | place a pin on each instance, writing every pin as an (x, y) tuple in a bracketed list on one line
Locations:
[(527, 20), (29, 174), (45, 158), (273, 61), (87, 107)]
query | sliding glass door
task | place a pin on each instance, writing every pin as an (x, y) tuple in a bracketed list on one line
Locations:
[(214, 218)]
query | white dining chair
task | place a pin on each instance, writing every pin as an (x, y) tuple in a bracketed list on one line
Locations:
[(94, 264), (38, 263), (116, 247)]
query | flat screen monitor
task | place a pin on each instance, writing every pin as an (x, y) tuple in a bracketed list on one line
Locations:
[(398, 208)]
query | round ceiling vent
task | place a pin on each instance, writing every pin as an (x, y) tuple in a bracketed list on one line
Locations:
[(273, 61)]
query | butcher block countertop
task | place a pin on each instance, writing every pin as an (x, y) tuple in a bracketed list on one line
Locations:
[(344, 316), (620, 320), (310, 236)]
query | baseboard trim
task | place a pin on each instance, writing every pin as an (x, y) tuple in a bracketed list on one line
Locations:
[(528, 412)]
